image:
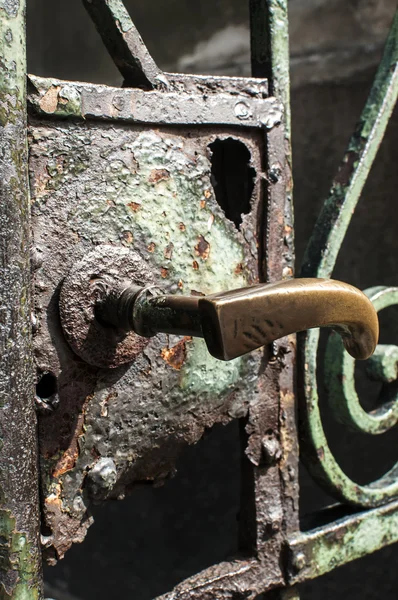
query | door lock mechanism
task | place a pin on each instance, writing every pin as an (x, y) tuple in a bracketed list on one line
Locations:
[(232, 323)]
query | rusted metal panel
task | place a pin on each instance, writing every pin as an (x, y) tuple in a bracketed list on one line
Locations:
[(150, 190)]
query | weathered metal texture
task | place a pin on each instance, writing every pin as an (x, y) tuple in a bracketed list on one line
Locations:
[(269, 37), (319, 261), (270, 59), (239, 579), (20, 561), (188, 99), (94, 341), (125, 44), (340, 383), (325, 548), (107, 183), (269, 489)]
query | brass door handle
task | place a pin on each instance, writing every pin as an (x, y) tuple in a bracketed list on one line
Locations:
[(236, 322)]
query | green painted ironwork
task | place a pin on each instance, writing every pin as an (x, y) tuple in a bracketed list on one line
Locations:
[(319, 261), (270, 48), (335, 217), (340, 382), (20, 560), (325, 548)]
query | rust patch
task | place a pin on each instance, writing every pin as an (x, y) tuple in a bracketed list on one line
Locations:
[(49, 101), (202, 248), (134, 206), (182, 227), (105, 402), (176, 355), (68, 459), (66, 529), (164, 272), (168, 251), (158, 175), (238, 269), (180, 284), (203, 204), (207, 194), (128, 237), (151, 247), (195, 265)]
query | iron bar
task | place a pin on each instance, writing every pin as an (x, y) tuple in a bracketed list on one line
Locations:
[(237, 101), (270, 59), (269, 29), (325, 548), (335, 217), (20, 558), (125, 44)]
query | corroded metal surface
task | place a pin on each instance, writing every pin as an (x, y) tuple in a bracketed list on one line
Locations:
[(119, 183), (269, 30), (340, 383), (151, 192), (188, 99), (86, 284), (124, 43), (319, 261), (20, 564), (325, 548)]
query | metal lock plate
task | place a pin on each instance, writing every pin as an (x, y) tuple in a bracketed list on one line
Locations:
[(140, 170)]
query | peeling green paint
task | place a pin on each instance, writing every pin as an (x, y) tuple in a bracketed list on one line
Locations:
[(151, 191), (20, 565), (270, 49), (12, 60), (162, 204), (383, 365), (18, 571), (120, 14), (340, 380), (323, 549)]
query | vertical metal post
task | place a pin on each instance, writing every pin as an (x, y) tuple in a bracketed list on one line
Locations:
[(270, 48), (20, 564), (270, 59)]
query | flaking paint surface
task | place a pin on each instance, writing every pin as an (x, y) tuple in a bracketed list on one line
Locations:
[(149, 190)]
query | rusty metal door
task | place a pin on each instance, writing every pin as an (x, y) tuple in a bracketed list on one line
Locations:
[(181, 182)]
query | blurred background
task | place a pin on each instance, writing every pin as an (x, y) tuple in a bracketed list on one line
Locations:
[(141, 547)]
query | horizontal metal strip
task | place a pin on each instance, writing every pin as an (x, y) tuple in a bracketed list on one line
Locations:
[(186, 100), (321, 550)]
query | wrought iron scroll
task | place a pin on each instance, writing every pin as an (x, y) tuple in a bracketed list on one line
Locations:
[(319, 261)]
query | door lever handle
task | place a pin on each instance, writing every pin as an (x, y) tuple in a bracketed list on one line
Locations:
[(236, 322)]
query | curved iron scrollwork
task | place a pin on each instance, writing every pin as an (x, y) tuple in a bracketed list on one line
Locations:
[(319, 261)]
